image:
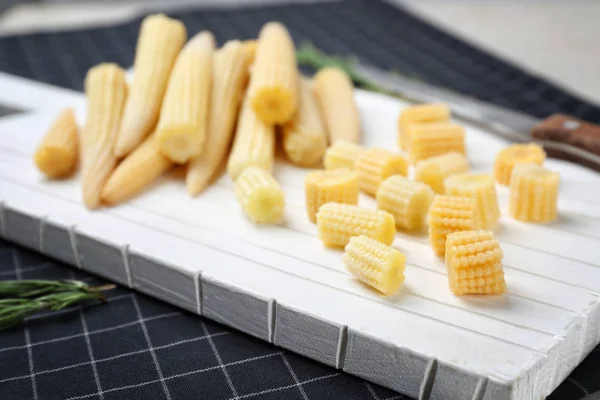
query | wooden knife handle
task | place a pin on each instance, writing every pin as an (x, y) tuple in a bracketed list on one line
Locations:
[(581, 139)]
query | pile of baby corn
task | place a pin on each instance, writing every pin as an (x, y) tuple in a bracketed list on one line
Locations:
[(192, 104)]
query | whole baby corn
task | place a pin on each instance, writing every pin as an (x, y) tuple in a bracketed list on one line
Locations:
[(321, 187), (474, 263), (533, 193), (337, 223), (510, 156), (334, 93), (273, 91), (159, 42), (106, 91), (254, 143), (433, 171), (135, 173), (183, 122), (230, 75), (375, 165), (375, 264), (260, 196), (304, 136), (342, 154), (422, 113), (406, 200), (57, 154)]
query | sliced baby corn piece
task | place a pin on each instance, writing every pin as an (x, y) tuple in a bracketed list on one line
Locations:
[(474, 263), (338, 185), (375, 165), (406, 200), (510, 156), (57, 154), (135, 173), (304, 136), (260, 196), (337, 223), (434, 139), (433, 171), (273, 88), (449, 214), (334, 92), (105, 90), (230, 75), (183, 122), (250, 50), (422, 113), (159, 42), (342, 154), (375, 264), (482, 189), (533, 193), (254, 143)]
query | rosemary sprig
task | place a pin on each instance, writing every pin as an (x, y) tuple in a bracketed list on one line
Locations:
[(20, 299)]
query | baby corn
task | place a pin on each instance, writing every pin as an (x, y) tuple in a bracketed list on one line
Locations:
[(57, 154)]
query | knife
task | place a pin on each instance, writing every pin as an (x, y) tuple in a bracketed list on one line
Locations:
[(560, 135)]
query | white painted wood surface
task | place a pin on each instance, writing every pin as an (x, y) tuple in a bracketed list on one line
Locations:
[(280, 284)]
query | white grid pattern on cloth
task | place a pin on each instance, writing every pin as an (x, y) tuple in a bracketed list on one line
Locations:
[(220, 361)]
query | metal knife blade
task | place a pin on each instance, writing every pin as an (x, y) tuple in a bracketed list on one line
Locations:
[(509, 124)]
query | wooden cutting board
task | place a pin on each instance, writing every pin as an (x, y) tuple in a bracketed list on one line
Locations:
[(280, 284)]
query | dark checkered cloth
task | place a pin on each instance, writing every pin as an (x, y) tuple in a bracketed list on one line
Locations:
[(135, 347)]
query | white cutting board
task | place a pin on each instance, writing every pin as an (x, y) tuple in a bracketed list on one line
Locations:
[(280, 284)]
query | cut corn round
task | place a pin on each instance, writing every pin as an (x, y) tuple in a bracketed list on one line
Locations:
[(273, 88), (339, 186), (533, 193), (375, 264), (334, 92), (337, 223), (375, 165), (510, 156), (433, 171), (474, 263), (342, 154), (57, 154), (406, 200), (434, 139), (482, 189), (449, 214), (422, 113), (260, 196)]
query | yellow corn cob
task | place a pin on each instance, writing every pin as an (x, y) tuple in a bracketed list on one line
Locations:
[(250, 50), (482, 189), (339, 185), (304, 136), (334, 93), (533, 193), (273, 88), (422, 113), (259, 195), (254, 143), (183, 122), (375, 165), (375, 264), (106, 90), (135, 173), (449, 214), (337, 223), (434, 139), (508, 157), (433, 171), (160, 40), (58, 152), (230, 74), (342, 154), (474, 263), (406, 200)]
